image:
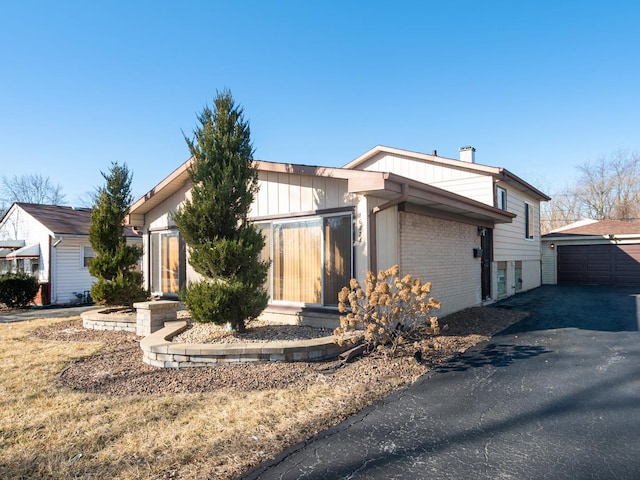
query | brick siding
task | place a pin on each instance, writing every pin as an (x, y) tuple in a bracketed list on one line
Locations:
[(441, 252)]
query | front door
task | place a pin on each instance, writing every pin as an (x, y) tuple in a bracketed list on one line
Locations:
[(486, 243)]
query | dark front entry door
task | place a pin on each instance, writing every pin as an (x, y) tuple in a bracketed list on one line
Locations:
[(486, 243)]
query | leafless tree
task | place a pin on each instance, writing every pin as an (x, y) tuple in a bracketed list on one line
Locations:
[(86, 200), (609, 188), (564, 208), (606, 189), (29, 188)]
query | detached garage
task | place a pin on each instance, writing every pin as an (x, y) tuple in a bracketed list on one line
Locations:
[(591, 252)]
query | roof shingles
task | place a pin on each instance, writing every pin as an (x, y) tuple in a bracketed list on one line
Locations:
[(603, 227)]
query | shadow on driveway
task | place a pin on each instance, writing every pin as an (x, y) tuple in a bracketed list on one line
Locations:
[(496, 355)]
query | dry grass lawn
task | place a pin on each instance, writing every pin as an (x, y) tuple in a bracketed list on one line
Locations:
[(50, 432)]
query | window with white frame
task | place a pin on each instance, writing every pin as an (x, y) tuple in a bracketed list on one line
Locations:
[(311, 258), (501, 198), (501, 278), (87, 255), (528, 221)]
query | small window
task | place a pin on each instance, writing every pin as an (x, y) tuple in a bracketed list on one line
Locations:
[(35, 267), (502, 278), (528, 221), (501, 198), (517, 273), (87, 254)]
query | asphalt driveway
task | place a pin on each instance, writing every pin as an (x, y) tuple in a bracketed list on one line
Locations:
[(556, 396)]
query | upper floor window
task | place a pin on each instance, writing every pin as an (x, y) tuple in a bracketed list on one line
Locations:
[(501, 198), (528, 221)]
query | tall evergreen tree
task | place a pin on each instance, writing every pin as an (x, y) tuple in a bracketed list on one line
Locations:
[(118, 283), (224, 246)]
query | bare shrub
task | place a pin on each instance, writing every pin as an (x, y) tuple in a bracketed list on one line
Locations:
[(388, 310)]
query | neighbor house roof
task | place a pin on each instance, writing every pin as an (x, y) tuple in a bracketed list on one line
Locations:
[(497, 172), (381, 184), (603, 227), (62, 220)]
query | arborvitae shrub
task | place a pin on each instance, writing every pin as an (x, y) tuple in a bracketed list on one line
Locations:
[(224, 245)]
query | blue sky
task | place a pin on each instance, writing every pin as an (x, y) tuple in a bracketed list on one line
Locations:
[(537, 87)]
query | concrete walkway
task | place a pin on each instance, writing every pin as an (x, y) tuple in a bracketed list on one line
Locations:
[(556, 396), (37, 313)]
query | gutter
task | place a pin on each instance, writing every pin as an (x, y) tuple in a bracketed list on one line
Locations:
[(373, 236)]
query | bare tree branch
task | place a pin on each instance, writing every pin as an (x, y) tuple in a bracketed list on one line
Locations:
[(30, 188)]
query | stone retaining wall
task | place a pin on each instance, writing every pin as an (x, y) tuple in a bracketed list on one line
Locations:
[(159, 351), (96, 320)]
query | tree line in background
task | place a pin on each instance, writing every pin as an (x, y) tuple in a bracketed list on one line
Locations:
[(606, 189)]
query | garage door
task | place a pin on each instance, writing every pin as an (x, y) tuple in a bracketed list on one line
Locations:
[(599, 264)]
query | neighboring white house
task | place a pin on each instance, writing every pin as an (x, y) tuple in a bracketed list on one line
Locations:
[(52, 243), (472, 230)]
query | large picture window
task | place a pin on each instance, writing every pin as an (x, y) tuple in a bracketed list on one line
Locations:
[(311, 258), (165, 262)]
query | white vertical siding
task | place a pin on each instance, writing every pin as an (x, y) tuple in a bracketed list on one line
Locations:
[(70, 274), (475, 185), (387, 243), (285, 193), (549, 264), (161, 216)]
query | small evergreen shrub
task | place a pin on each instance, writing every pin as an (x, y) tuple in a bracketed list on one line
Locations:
[(389, 309), (18, 289), (118, 290), (223, 302), (114, 266)]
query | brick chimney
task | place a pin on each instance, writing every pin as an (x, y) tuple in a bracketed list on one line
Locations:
[(468, 154)]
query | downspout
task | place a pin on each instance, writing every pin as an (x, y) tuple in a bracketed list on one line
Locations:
[(373, 235), (53, 271)]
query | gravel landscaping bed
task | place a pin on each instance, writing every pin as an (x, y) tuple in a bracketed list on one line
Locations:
[(117, 369), (256, 331)]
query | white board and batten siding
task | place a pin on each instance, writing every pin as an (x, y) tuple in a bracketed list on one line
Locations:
[(70, 273), (459, 180), (549, 264), (287, 193), (161, 217)]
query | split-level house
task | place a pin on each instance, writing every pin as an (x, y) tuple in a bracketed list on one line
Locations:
[(50, 242), (470, 229)]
